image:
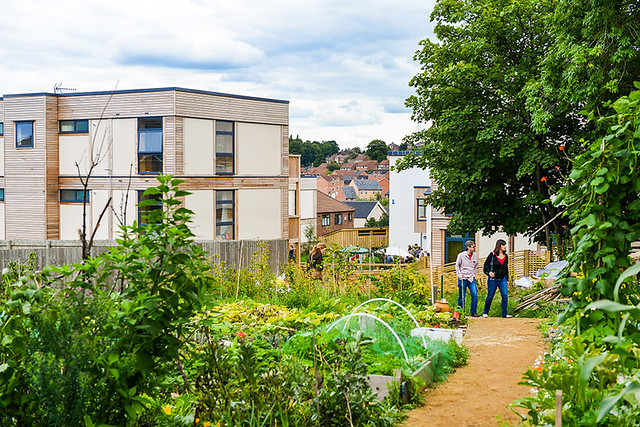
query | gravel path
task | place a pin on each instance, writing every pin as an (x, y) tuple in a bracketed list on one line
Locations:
[(477, 394)]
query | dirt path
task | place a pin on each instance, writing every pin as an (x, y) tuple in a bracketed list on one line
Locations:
[(500, 352)]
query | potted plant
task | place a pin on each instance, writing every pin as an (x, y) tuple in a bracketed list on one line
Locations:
[(456, 313)]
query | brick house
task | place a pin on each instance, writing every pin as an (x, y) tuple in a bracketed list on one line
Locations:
[(332, 215)]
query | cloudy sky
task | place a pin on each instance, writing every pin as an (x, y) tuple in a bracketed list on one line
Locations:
[(343, 65)]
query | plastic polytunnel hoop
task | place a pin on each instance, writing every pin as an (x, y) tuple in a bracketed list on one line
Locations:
[(424, 343), (385, 324)]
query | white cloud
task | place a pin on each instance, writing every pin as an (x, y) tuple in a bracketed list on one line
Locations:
[(345, 66)]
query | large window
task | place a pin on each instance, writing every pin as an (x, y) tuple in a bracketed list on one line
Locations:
[(326, 220), (74, 126), (224, 148), (24, 134), (150, 145), (145, 211), (1, 128), (225, 215), (1, 194), (422, 210), (74, 196), (338, 219)]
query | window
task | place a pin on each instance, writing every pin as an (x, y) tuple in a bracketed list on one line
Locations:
[(422, 210), (224, 148), (150, 145), (225, 215), (326, 220), (292, 203), (24, 134), (1, 194), (74, 196), (74, 126), (144, 212), (349, 216), (338, 219), (1, 128)]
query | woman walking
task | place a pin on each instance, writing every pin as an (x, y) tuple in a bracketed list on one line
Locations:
[(496, 267), (315, 260)]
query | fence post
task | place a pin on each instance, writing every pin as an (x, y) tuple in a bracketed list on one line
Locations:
[(558, 408)]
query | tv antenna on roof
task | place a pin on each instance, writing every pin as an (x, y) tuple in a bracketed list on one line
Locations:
[(57, 88)]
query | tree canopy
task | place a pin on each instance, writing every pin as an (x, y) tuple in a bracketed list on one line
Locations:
[(501, 89), (313, 153), (377, 150)]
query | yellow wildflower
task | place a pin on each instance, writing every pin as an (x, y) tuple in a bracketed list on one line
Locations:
[(167, 409)]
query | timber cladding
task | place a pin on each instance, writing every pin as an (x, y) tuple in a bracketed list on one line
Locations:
[(34, 175), (25, 170), (52, 169)]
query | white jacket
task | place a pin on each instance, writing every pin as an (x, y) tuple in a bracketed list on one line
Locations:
[(466, 267)]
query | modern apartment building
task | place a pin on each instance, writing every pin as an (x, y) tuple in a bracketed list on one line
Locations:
[(232, 152)]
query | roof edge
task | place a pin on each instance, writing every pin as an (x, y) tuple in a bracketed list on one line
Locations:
[(161, 89)]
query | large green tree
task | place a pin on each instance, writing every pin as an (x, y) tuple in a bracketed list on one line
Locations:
[(501, 91), (377, 150), (313, 153)]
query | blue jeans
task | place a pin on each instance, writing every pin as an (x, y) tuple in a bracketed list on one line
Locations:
[(473, 290), (492, 284)]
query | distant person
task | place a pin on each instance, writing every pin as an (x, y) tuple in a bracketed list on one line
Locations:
[(389, 259), (292, 253), (315, 260), (496, 267), (466, 266)]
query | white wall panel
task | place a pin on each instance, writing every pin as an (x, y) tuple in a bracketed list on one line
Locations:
[(98, 201), (259, 149), (2, 223), (198, 147), (2, 161), (70, 221), (74, 149), (120, 203), (259, 213), (202, 202), (125, 148)]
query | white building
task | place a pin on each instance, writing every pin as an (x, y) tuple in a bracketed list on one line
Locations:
[(412, 221), (409, 216), (308, 206)]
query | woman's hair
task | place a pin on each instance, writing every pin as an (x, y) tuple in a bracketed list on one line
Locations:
[(468, 244), (499, 244), (317, 248)]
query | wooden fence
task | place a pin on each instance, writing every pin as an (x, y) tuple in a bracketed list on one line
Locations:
[(235, 253), (363, 237)]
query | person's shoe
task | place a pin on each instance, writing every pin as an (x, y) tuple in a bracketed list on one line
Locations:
[(474, 315), (508, 316), (485, 315)]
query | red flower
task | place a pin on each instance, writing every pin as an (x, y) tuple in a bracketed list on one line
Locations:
[(561, 147), (557, 168), (240, 334), (543, 179)]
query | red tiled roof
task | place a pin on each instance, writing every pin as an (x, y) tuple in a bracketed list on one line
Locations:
[(327, 203)]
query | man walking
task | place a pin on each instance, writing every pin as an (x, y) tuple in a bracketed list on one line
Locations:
[(466, 266)]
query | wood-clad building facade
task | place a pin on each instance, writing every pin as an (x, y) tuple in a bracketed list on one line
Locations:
[(232, 151)]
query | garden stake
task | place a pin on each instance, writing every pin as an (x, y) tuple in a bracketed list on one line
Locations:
[(558, 408), (239, 268), (315, 376)]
